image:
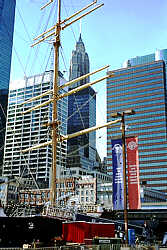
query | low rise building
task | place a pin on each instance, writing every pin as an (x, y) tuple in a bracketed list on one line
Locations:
[(104, 195), (78, 172), (8, 191)]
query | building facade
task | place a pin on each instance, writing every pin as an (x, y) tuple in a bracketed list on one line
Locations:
[(83, 191), (158, 55), (142, 87), (24, 131), (79, 64), (104, 195), (7, 16), (81, 113), (148, 195), (8, 191)]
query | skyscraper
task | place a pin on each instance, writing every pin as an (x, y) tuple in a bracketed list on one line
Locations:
[(158, 55), (79, 64), (24, 131), (142, 86), (7, 15), (81, 113)]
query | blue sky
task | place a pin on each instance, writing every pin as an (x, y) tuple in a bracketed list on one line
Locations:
[(117, 31)]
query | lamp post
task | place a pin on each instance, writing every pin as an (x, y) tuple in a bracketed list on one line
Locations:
[(122, 115)]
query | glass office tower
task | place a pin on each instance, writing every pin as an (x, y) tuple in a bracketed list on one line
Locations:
[(143, 88), (158, 55), (81, 113), (24, 131), (7, 15)]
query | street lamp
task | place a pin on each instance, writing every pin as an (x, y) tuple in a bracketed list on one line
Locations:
[(122, 115)]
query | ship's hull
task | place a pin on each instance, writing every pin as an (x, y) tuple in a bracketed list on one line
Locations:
[(16, 231)]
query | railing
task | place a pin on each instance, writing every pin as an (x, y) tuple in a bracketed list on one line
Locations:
[(88, 208), (22, 211), (60, 212), (69, 212), (56, 211), (94, 247)]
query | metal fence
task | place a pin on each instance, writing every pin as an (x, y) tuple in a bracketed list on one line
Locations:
[(95, 247)]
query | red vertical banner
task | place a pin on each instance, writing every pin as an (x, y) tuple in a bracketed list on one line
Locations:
[(133, 173)]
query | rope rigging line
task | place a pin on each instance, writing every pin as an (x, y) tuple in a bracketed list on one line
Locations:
[(24, 155), (26, 163), (78, 108), (28, 35), (81, 106), (63, 58), (67, 13), (13, 132), (36, 54), (36, 137), (79, 111), (17, 54), (30, 39), (37, 49)]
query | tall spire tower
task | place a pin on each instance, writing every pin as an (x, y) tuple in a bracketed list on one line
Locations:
[(79, 64), (81, 112)]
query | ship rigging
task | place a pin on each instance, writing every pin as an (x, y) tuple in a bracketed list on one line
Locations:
[(55, 32)]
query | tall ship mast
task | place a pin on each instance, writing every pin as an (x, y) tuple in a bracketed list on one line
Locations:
[(55, 31)]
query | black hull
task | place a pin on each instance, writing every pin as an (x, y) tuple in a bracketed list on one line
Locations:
[(16, 231)]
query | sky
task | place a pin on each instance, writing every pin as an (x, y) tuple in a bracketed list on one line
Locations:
[(117, 31)]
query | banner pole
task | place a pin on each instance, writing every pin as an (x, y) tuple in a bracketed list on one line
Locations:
[(124, 178)]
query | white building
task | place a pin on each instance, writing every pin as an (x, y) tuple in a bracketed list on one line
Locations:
[(92, 191), (104, 195), (24, 131), (79, 172), (86, 190)]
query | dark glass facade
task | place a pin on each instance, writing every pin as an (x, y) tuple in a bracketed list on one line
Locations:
[(142, 88), (7, 15), (81, 113)]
